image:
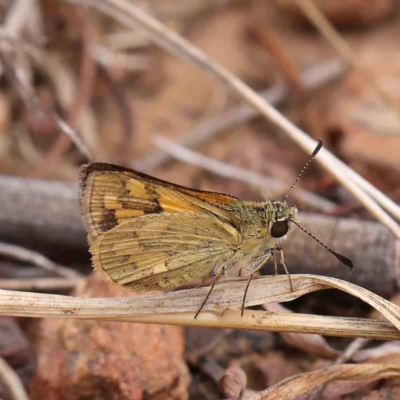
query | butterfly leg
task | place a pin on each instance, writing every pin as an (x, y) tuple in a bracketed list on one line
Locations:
[(257, 268), (262, 263), (214, 281), (275, 263), (282, 261)]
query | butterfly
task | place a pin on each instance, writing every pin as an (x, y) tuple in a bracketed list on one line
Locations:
[(148, 234)]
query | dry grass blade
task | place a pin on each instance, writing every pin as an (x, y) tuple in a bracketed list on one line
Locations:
[(240, 174), (387, 348), (81, 98), (26, 255), (40, 284), (132, 16), (12, 382), (346, 355), (343, 48), (33, 102), (210, 128), (298, 385), (179, 307)]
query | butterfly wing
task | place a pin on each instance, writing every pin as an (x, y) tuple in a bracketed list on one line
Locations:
[(111, 195), (163, 251)]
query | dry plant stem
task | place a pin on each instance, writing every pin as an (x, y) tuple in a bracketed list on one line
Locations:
[(22, 254), (295, 386), (123, 154), (254, 320), (350, 350), (125, 40), (17, 16), (40, 214), (288, 66), (87, 77), (62, 80), (275, 48), (40, 284), (208, 129), (342, 47), (15, 22), (24, 18), (32, 101), (121, 61), (129, 14), (178, 308), (221, 168), (346, 355), (12, 382), (376, 194)]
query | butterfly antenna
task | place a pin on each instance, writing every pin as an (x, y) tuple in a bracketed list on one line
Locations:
[(346, 261), (314, 153)]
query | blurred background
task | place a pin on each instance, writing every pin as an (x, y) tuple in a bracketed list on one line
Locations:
[(66, 68)]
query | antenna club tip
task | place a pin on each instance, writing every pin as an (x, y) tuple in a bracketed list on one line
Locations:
[(346, 261), (318, 148)]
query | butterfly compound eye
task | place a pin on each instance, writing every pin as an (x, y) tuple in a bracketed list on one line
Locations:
[(279, 229)]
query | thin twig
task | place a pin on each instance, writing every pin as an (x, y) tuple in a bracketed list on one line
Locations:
[(16, 23), (208, 129), (86, 82), (129, 14), (343, 48), (40, 284), (32, 101), (12, 382), (125, 40), (289, 67), (119, 60), (346, 355), (17, 16), (26, 255), (123, 153), (240, 174)]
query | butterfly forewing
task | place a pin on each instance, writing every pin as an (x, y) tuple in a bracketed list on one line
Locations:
[(112, 195)]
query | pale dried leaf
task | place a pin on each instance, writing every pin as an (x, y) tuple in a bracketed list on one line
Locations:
[(339, 388), (385, 349), (298, 385)]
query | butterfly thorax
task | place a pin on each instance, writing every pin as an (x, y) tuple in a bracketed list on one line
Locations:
[(258, 219)]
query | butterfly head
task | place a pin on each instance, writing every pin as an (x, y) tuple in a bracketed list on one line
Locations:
[(282, 215)]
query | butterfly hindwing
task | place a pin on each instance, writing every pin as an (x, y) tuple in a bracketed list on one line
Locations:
[(163, 251)]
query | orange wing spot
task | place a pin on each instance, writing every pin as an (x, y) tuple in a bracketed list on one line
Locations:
[(172, 206), (137, 188), (111, 203), (128, 213)]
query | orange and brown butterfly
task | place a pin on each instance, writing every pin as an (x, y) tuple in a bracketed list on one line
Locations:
[(146, 234)]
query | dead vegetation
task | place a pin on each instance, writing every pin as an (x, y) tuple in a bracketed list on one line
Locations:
[(221, 95)]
